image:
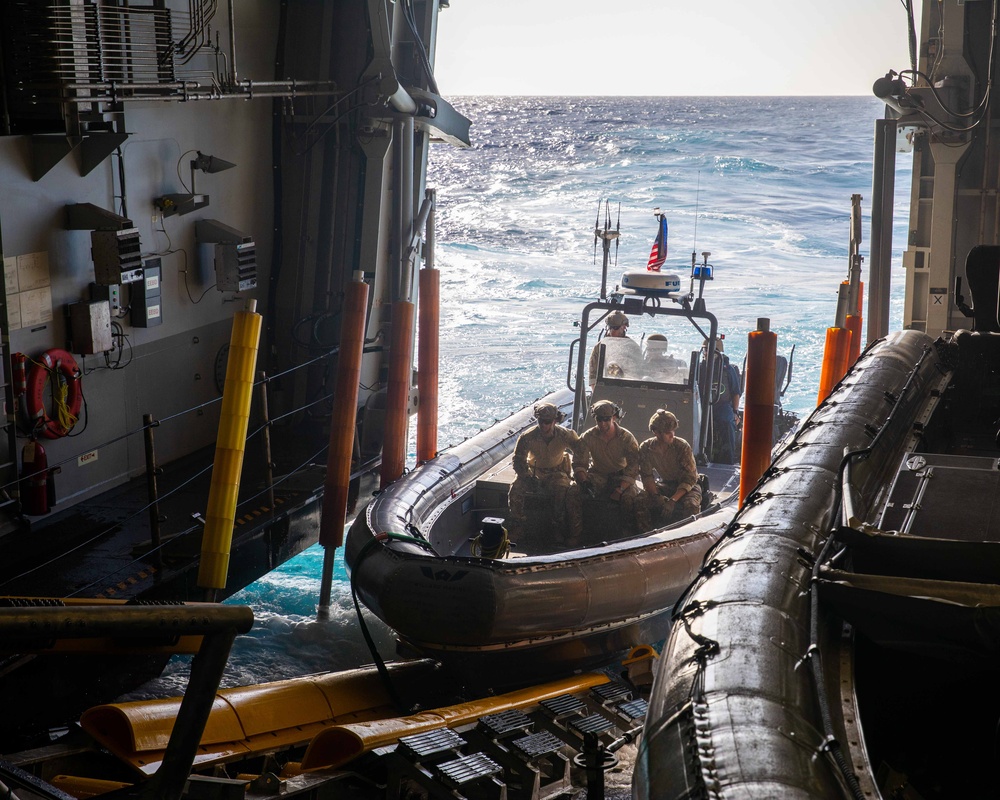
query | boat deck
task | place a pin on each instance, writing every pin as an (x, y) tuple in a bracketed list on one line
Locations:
[(603, 520)]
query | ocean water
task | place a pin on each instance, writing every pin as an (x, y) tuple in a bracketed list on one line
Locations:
[(764, 184)]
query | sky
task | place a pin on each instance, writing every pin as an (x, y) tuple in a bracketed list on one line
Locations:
[(669, 47)]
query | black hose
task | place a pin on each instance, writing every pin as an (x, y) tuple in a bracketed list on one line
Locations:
[(383, 671)]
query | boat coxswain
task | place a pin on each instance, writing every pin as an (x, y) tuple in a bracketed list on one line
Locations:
[(621, 352)]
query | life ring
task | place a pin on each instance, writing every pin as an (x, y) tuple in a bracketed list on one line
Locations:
[(51, 361)]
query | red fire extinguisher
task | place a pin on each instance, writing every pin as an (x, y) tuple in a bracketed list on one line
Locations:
[(35, 491), (19, 373)]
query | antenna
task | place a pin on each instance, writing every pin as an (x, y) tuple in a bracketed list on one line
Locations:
[(606, 235), (618, 230), (597, 228), (697, 200)]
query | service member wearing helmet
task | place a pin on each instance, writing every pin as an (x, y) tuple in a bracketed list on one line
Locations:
[(621, 351), (609, 465), (726, 418), (669, 471), (542, 462)]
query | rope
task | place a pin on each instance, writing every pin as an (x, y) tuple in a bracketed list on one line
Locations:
[(500, 550), (60, 389), (370, 546)]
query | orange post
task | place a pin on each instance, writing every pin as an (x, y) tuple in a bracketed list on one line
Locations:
[(428, 320), (397, 392), (853, 324), (855, 318), (758, 406), (344, 415), (836, 353)]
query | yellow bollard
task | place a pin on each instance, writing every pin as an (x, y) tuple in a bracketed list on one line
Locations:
[(220, 515)]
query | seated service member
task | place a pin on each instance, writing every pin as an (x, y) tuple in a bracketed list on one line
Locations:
[(541, 461), (669, 471), (609, 463)]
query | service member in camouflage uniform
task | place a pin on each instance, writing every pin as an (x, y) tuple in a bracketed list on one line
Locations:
[(609, 465), (669, 471), (542, 463)]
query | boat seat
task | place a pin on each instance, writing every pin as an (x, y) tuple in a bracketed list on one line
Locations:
[(982, 271), (881, 553), (944, 620), (922, 496), (975, 394)]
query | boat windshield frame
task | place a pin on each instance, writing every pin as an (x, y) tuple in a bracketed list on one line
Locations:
[(635, 306)]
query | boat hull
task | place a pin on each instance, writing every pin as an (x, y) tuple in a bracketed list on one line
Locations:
[(734, 709), (522, 617)]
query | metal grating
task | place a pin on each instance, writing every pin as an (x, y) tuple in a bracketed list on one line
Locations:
[(431, 743), (76, 46), (537, 744), (595, 723), (633, 709), (608, 692), (504, 723), (562, 705), (467, 769)]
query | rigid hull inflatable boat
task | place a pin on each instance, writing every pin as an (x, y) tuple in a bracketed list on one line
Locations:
[(820, 652), (842, 639), (411, 553), (487, 616)]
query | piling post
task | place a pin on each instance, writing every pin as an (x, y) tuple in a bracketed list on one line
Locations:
[(152, 493), (758, 405)]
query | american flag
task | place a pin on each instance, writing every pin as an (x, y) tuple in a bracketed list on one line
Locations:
[(658, 255)]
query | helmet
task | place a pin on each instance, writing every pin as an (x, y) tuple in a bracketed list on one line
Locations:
[(616, 319), (656, 345), (604, 408), (547, 411), (662, 420)]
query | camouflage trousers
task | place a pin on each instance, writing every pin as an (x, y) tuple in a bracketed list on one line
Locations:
[(564, 498), (634, 511), (658, 504)]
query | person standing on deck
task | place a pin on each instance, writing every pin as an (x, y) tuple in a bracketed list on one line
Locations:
[(669, 471), (726, 420), (542, 463), (609, 465)]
